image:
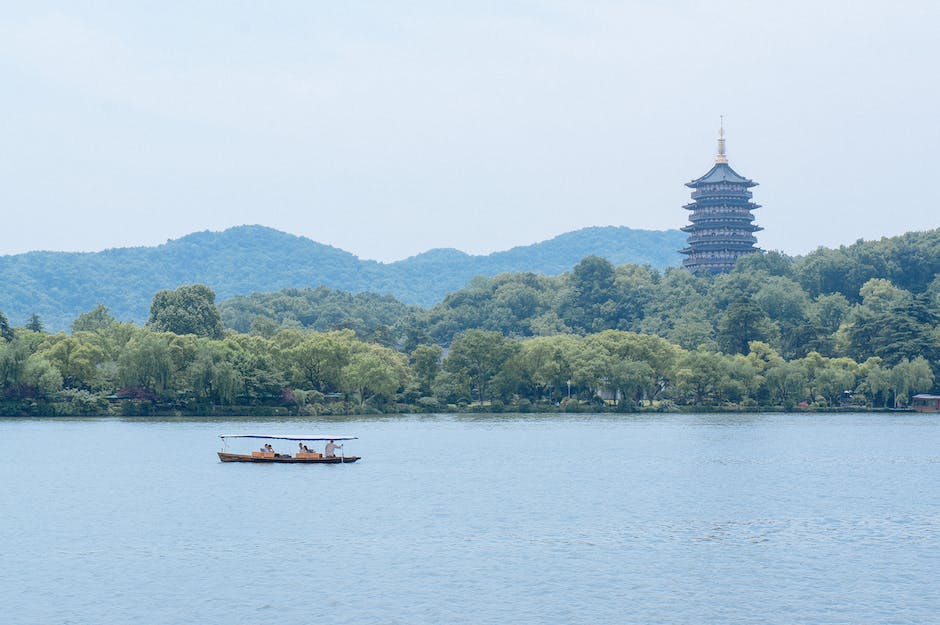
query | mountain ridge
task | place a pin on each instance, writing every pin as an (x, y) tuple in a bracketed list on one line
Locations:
[(58, 286)]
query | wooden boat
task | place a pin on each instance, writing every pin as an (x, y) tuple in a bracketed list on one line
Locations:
[(271, 456)]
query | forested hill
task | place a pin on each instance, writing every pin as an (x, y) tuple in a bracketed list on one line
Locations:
[(59, 286)]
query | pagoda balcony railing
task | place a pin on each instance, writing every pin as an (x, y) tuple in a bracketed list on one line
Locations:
[(712, 257), (721, 213), (708, 193), (701, 229), (722, 239), (722, 186)]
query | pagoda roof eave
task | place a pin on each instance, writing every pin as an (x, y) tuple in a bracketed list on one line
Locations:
[(721, 172)]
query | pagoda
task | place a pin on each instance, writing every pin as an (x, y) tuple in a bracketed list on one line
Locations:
[(722, 228)]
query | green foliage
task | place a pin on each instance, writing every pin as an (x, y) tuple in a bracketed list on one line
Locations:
[(187, 310), (477, 357), (373, 317), (94, 320), (6, 332), (909, 261), (249, 259), (34, 323), (742, 322), (598, 337), (426, 360)]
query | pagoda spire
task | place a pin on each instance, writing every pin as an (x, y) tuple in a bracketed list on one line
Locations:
[(721, 158)]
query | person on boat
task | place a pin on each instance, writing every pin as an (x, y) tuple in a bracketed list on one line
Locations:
[(330, 450), (301, 448)]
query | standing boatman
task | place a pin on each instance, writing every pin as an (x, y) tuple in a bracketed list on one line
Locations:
[(330, 450)]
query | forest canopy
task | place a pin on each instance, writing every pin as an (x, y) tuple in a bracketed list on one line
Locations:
[(857, 326)]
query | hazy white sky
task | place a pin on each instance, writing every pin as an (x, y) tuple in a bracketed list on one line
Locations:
[(387, 128)]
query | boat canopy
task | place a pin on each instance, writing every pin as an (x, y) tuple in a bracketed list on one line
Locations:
[(292, 437)]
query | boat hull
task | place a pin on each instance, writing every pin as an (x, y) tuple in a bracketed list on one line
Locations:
[(227, 457)]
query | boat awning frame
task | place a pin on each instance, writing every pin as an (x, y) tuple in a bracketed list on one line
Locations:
[(292, 437)]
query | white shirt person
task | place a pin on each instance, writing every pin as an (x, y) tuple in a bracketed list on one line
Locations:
[(330, 450)]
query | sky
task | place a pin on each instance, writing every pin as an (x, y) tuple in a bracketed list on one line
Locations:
[(389, 128)]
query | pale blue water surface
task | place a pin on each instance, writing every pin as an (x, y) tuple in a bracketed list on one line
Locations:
[(451, 519)]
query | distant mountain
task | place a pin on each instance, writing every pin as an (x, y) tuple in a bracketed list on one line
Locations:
[(61, 285)]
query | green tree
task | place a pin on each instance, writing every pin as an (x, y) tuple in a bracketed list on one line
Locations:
[(317, 362), (546, 364), (701, 377), (909, 376), (187, 310), (34, 324), (6, 332), (742, 322), (876, 381), (593, 295), (477, 356), (426, 360), (41, 375), (76, 357), (211, 374), (375, 372), (632, 379), (94, 320), (786, 382), (145, 362)]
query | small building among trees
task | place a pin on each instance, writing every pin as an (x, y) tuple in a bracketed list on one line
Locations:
[(926, 403)]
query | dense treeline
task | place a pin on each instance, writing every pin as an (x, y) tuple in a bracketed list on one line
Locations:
[(870, 299), (376, 318), (855, 326), (844, 302), (60, 285), (126, 369), (106, 367)]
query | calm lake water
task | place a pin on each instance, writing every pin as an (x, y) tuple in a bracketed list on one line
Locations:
[(455, 519)]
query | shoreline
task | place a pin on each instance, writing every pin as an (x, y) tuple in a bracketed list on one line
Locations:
[(283, 413)]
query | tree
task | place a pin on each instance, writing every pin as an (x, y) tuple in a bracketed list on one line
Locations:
[(632, 378), (426, 360), (76, 359), (94, 320), (786, 382), (772, 262), (742, 323), (701, 376), (374, 372), (212, 375), (145, 362), (910, 375), (876, 381), (187, 310), (257, 365), (41, 375), (6, 332), (893, 327), (593, 295), (317, 362), (477, 357), (546, 364), (34, 324)]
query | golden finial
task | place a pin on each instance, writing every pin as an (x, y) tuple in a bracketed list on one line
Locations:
[(721, 158)]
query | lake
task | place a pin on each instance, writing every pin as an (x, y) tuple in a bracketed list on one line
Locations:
[(758, 518)]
